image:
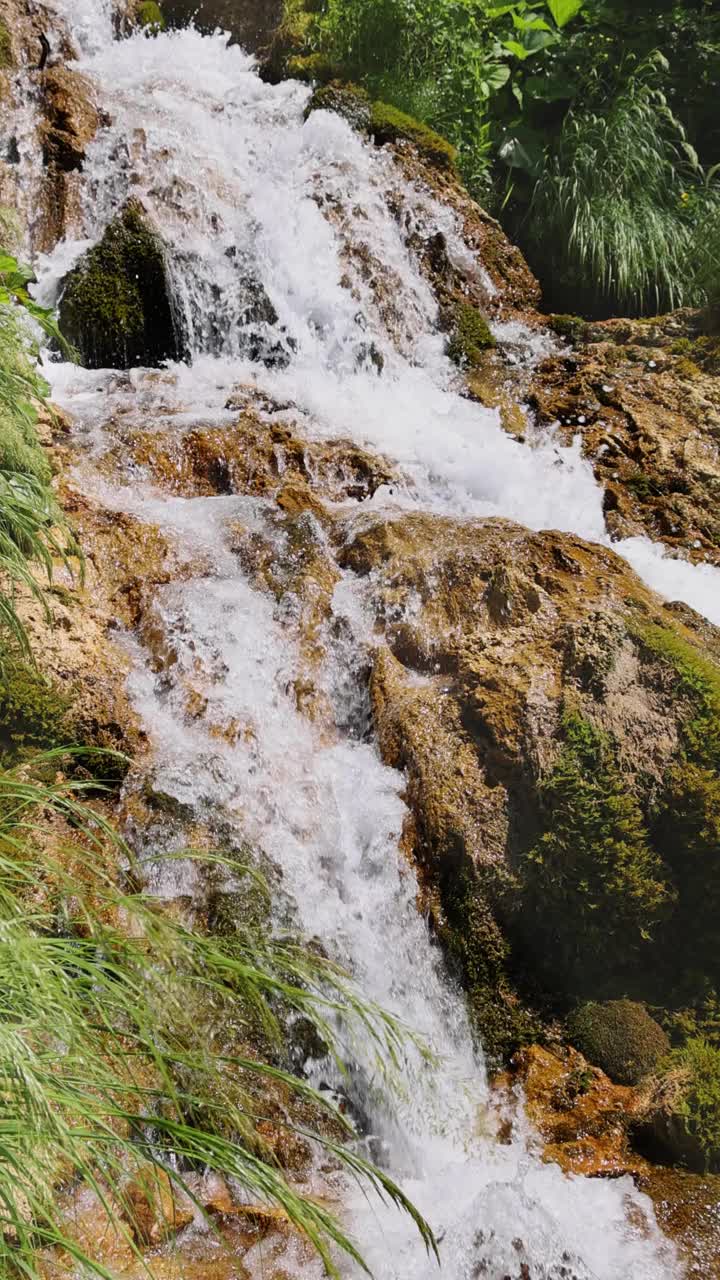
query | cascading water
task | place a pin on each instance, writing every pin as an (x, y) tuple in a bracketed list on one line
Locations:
[(245, 193)]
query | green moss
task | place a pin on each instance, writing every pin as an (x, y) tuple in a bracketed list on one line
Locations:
[(471, 336), (312, 68), (700, 1105), (698, 679), (620, 1037), (687, 369), (574, 328), (594, 886), (390, 125), (642, 486), (34, 713), (150, 16), (346, 100), (480, 956), (115, 307), (6, 51)]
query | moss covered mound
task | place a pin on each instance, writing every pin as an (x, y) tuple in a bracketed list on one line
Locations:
[(471, 336), (620, 1037), (390, 125), (149, 15), (116, 306)]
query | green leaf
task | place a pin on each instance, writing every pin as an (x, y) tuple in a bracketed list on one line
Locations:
[(563, 11)]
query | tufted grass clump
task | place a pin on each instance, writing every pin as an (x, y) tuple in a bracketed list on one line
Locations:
[(124, 1039), (594, 886), (620, 1037), (471, 337)]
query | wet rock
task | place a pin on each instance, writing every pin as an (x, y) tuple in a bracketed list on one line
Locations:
[(153, 1207), (644, 398), (525, 684), (71, 117), (115, 305), (250, 23)]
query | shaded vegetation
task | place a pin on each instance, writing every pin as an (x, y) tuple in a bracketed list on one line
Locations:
[(700, 1104)]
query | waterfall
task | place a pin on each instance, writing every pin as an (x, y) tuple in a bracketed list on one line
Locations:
[(243, 190)]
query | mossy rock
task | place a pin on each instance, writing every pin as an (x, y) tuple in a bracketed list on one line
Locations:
[(312, 68), (6, 50), (115, 306), (34, 712), (471, 336), (620, 1037), (346, 100), (574, 328), (150, 17), (390, 125)]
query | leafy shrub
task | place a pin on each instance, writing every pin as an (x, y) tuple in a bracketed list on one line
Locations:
[(700, 1106), (620, 1037), (594, 886)]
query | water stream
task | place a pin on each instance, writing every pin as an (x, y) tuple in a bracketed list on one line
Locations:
[(240, 188)]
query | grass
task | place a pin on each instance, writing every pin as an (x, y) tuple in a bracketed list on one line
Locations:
[(119, 1025), (622, 211)]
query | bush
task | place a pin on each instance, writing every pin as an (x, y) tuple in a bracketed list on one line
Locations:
[(593, 886), (620, 1037)]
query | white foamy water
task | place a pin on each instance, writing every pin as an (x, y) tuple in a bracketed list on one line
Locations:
[(249, 197)]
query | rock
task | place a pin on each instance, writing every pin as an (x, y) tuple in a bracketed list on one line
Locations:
[(531, 688), (644, 398), (153, 1207), (115, 305), (71, 117), (686, 1207), (621, 1037), (250, 23), (582, 1116)]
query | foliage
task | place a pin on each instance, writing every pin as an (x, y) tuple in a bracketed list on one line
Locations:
[(592, 879), (620, 1037), (121, 1027), (471, 336), (32, 532), (700, 1106), (150, 17), (618, 209)]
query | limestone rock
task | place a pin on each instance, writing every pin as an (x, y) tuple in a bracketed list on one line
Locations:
[(153, 1207)]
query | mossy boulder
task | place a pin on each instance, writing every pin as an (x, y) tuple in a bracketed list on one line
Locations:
[(150, 17), (250, 23), (471, 336), (115, 306), (346, 100), (620, 1037), (388, 124)]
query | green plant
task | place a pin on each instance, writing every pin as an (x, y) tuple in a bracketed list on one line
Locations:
[(592, 881), (150, 17), (620, 1037), (700, 1105), (124, 1039), (612, 204), (32, 531), (34, 712)]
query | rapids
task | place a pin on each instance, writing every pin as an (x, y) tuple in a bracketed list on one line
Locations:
[(236, 182)]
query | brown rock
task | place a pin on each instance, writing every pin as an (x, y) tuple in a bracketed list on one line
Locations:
[(153, 1207)]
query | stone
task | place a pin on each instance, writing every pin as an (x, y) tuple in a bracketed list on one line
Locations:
[(153, 1207), (115, 305)]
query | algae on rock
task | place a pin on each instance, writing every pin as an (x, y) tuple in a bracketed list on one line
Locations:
[(116, 306)]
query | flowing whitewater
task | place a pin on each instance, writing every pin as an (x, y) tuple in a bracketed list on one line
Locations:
[(245, 193)]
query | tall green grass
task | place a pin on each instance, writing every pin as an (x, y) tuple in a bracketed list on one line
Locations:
[(33, 533), (124, 1034), (622, 213)]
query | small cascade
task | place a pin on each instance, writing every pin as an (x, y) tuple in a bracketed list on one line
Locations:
[(281, 244)]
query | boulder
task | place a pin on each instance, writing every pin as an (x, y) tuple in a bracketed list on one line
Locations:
[(546, 708), (251, 23), (116, 305), (621, 1037)]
